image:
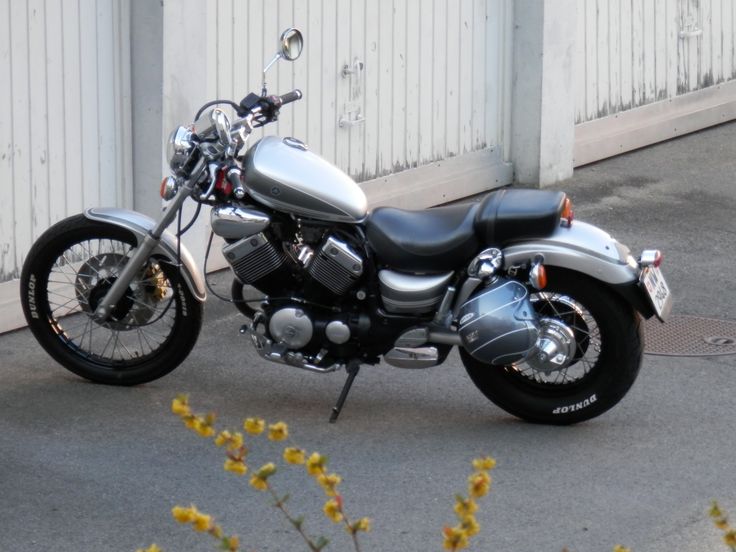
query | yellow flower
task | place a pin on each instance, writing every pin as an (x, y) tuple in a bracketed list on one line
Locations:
[(182, 515), (470, 525), (293, 455), (258, 483), (465, 507), (254, 426), (730, 539), (190, 421), (620, 548), (721, 523), (333, 510), (479, 484), (222, 438), (278, 431), (363, 524), (316, 463), (715, 511), (180, 405), (236, 441), (232, 543), (329, 483), (152, 548), (238, 467), (203, 428), (484, 464), (201, 522), (455, 538)]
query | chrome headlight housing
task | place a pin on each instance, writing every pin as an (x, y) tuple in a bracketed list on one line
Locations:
[(180, 149)]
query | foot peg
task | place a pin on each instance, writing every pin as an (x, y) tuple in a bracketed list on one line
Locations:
[(352, 368)]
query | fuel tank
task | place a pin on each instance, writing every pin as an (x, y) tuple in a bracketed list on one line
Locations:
[(283, 174)]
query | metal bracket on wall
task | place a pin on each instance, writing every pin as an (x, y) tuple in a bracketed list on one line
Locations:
[(352, 115), (689, 28)]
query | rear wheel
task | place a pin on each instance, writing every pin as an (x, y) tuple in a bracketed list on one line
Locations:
[(596, 347), (69, 270)]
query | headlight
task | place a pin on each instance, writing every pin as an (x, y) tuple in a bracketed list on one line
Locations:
[(180, 149)]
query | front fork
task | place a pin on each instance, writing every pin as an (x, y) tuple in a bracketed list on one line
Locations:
[(146, 247)]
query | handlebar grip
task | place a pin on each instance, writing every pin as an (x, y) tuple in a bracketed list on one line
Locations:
[(233, 176), (292, 96)]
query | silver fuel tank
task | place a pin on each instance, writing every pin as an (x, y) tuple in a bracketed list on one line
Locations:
[(284, 175)]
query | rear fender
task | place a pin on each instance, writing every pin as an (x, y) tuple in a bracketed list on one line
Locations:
[(589, 250), (140, 225)]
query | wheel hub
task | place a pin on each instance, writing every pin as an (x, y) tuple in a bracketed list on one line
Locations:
[(555, 347)]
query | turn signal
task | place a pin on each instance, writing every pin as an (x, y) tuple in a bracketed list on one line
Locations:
[(651, 257), (538, 276), (168, 188), (567, 213)]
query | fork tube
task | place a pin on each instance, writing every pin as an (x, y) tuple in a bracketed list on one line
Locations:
[(144, 249)]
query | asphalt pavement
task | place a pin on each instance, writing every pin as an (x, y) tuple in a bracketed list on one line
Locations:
[(90, 467)]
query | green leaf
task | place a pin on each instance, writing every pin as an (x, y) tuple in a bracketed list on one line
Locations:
[(298, 522), (321, 543)]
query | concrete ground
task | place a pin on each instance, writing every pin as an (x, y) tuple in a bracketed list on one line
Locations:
[(89, 467)]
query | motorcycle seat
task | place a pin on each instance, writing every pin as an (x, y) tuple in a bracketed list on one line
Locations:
[(511, 215), (429, 240)]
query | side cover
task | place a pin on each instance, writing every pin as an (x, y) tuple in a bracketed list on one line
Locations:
[(140, 225)]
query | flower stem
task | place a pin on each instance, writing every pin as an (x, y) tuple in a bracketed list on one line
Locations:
[(297, 525)]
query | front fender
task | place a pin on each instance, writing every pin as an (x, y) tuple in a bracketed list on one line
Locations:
[(140, 225), (589, 250)]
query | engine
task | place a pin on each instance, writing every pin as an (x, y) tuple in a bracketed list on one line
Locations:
[(317, 267)]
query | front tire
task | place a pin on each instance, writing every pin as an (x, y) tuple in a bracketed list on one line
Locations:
[(605, 362), (68, 271)]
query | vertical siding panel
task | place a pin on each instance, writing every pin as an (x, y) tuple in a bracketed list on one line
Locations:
[(356, 94), (398, 81), (55, 108), (604, 46), (649, 52), (38, 116), (301, 70), (329, 76), (7, 243), (591, 59), (343, 57), (716, 40), (284, 68), (88, 76), (72, 110), (625, 55), (706, 54), (269, 48), (728, 39), (580, 67), (371, 78), (660, 49), (694, 46), (494, 61), (412, 81), (21, 130), (385, 98), (225, 57), (106, 130), (479, 81), (673, 29), (505, 76), (313, 51), (425, 83), (638, 92), (256, 56), (439, 81), (614, 55), (452, 87), (466, 76), (242, 73)]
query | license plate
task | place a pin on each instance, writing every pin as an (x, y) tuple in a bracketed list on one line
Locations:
[(657, 291)]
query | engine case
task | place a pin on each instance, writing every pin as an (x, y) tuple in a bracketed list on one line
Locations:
[(336, 266), (498, 324), (253, 258)]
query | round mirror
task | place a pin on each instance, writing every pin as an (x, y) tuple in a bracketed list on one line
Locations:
[(291, 44)]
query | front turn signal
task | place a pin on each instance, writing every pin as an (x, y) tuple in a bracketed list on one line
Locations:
[(168, 188)]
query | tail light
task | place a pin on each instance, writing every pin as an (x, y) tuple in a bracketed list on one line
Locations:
[(651, 257)]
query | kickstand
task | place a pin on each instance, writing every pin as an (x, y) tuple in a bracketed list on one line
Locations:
[(352, 368)]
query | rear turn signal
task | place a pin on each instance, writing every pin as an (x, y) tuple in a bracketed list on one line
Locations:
[(567, 213), (538, 276)]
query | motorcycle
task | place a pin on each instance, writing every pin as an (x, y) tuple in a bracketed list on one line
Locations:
[(545, 311)]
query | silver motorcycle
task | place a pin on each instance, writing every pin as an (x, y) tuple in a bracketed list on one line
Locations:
[(545, 311)]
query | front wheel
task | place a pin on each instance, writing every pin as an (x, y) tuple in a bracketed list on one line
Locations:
[(599, 340), (68, 272)]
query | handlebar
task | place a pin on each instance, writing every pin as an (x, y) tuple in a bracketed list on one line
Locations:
[(292, 96)]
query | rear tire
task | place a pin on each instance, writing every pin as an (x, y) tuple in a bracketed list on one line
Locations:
[(152, 329), (598, 384)]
